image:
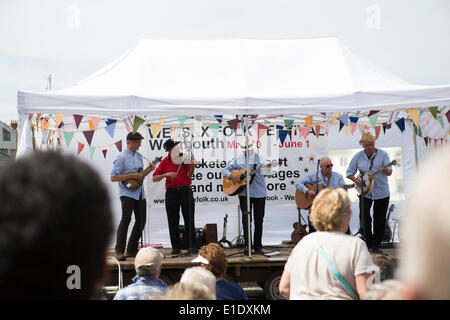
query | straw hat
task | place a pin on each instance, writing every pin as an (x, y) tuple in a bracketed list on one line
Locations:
[(251, 145), (366, 137)]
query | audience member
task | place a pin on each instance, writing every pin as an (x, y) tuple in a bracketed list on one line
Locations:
[(189, 291), (146, 284), (200, 275), (425, 244), (386, 266), (55, 226), (212, 257), (328, 264)]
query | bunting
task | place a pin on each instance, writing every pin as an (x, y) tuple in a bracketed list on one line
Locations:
[(219, 118), (80, 147), (214, 129), (181, 120), (401, 124), (262, 129), (137, 123), (68, 137), (156, 129), (77, 118), (309, 120), (88, 134), (414, 114), (119, 145)]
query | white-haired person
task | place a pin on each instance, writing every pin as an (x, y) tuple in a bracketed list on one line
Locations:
[(201, 275), (425, 233), (146, 284), (328, 264)]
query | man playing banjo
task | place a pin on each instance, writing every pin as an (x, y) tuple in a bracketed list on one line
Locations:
[(368, 161)]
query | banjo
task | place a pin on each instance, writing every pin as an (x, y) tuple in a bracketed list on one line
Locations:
[(367, 179)]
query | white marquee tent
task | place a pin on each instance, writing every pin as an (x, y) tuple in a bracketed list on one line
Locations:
[(301, 77)]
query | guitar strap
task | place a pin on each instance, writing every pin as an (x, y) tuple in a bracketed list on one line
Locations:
[(329, 179)]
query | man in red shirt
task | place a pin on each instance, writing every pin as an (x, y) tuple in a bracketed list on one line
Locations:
[(178, 194)]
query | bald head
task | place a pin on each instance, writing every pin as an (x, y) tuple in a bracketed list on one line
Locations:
[(326, 166)]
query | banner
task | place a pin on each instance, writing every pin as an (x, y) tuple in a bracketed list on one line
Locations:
[(214, 149)]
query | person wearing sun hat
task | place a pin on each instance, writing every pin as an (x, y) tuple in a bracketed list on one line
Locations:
[(258, 191), (178, 195), (371, 159), (146, 284)]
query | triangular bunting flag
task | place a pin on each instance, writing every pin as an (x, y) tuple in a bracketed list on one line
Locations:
[(441, 121), (233, 123), (77, 118), (104, 151), (318, 127), (373, 120), (88, 135), (372, 112), (347, 130), (119, 145), (282, 135), (262, 129), (214, 128), (426, 141), (354, 119), (434, 111), (344, 119), (80, 147), (401, 124), (288, 123), (110, 121), (309, 120), (354, 126), (68, 137), (111, 128), (219, 118), (61, 124), (384, 127), (448, 115), (377, 131), (181, 120), (341, 125), (138, 121), (91, 151), (59, 117), (414, 114), (125, 121), (156, 129), (304, 132)]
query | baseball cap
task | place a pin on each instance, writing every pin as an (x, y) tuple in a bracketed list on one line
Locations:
[(148, 256)]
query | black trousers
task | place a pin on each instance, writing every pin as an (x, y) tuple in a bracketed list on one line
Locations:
[(139, 207), (183, 198), (258, 205), (380, 206)]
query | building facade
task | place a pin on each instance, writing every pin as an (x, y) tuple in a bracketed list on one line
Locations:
[(8, 142)]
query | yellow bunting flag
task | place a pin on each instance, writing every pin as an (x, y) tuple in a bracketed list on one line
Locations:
[(309, 120), (58, 117), (156, 129), (414, 114)]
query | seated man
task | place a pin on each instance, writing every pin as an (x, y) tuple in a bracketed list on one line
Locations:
[(146, 284)]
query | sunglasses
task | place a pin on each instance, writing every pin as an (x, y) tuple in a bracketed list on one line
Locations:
[(329, 166)]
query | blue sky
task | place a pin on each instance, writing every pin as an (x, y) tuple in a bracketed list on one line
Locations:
[(71, 39)]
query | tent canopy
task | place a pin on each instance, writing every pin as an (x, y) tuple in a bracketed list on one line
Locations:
[(209, 77)]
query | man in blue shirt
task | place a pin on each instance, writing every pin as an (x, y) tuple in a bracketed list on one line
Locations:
[(146, 284), (129, 165), (258, 193), (370, 160), (326, 177)]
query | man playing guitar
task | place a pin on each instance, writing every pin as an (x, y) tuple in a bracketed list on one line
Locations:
[(327, 178), (370, 160), (128, 165)]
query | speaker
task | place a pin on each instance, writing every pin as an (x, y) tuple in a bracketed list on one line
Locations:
[(198, 241), (210, 233)]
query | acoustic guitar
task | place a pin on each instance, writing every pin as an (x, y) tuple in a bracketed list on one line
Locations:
[(367, 179), (231, 188), (304, 201), (299, 229), (134, 184)]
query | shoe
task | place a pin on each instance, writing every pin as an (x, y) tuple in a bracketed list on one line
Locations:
[(259, 251), (176, 251), (130, 254), (192, 251), (120, 256)]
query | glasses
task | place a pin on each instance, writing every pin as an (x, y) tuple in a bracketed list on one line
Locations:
[(329, 166)]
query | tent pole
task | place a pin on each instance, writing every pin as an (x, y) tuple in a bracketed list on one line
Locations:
[(416, 155), (247, 177)]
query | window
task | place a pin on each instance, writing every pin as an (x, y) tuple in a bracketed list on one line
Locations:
[(6, 135), (4, 151)]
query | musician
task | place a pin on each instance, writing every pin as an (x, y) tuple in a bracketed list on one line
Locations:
[(326, 177), (178, 194), (371, 159), (126, 167), (258, 193)]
